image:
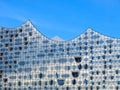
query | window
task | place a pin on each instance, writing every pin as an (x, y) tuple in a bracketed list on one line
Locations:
[(40, 75), (16, 35), (20, 48), (74, 82), (25, 43), (28, 69), (117, 71), (20, 30), (30, 33), (86, 66), (22, 63), (5, 80), (85, 81), (51, 82), (78, 59), (10, 40), (6, 45), (75, 74), (80, 66), (0, 76), (25, 38), (62, 60), (65, 75), (60, 82), (11, 48), (1, 36), (19, 83)]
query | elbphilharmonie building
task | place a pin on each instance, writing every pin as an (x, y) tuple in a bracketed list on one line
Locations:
[(31, 61)]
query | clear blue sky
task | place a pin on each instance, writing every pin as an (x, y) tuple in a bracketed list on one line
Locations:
[(64, 18)]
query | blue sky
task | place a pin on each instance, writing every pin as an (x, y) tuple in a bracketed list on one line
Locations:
[(64, 18)]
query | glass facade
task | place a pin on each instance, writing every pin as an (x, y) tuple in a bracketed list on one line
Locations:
[(31, 61)]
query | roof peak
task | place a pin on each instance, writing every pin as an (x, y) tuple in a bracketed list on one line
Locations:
[(57, 38)]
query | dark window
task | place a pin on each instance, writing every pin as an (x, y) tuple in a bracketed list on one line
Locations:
[(10, 66), (10, 40), (85, 81), (0, 76), (1, 71), (5, 79), (19, 83), (103, 56), (25, 38), (79, 66), (97, 87), (11, 35), (117, 71), (40, 83), (6, 62), (91, 77), (105, 77), (1, 36), (16, 35), (30, 33), (20, 30), (1, 54), (6, 31), (91, 67), (6, 45), (20, 48), (86, 66), (67, 88), (110, 66), (40, 75), (75, 74), (51, 82), (112, 77), (10, 48), (74, 82), (25, 43), (103, 72), (78, 59), (117, 88), (15, 62), (118, 82), (91, 87), (105, 66), (79, 88)]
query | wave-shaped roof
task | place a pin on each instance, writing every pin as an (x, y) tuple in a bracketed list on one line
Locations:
[(89, 30)]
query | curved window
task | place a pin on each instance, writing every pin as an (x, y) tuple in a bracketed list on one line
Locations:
[(75, 74), (22, 63), (65, 75), (43, 68), (78, 59), (28, 69), (62, 60), (60, 82), (109, 41)]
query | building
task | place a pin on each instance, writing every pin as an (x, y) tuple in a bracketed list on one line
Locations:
[(31, 61)]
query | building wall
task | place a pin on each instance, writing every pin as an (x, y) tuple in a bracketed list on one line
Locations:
[(31, 61)]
